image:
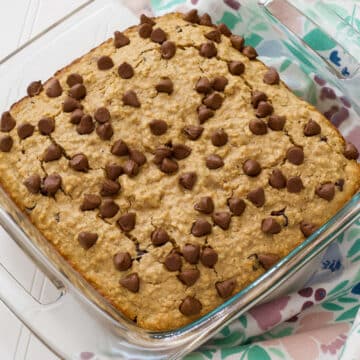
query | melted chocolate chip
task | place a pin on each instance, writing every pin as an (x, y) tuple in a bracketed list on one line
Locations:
[(250, 52), (102, 115), (158, 127), (209, 257), (257, 196), (169, 166), (131, 282), (127, 222), (214, 161), (188, 180), (168, 49), (52, 153), (312, 128), (130, 98), (203, 85), (119, 148), (326, 191), (53, 88), (146, 20), (25, 130), (236, 205), (258, 127), (33, 183), (267, 260), (193, 132), (137, 156), (264, 109), (158, 35), (78, 91), (219, 83), (159, 237), (214, 35), (251, 167), (86, 125), (7, 122), (205, 20), (90, 202), (189, 276), (270, 226), (340, 184), (213, 101), (105, 63), (225, 288), (256, 97), (122, 261), (190, 306), (295, 155), (173, 262), (192, 16), (105, 131), (222, 219), (79, 162), (76, 116), (145, 30), (208, 50), (6, 143), (307, 228), (87, 239), (46, 126), (51, 185), (120, 39), (191, 253), (236, 67), (110, 188), (161, 153), (294, 184), (125, 71), (271, 77), (74, 79), (204, 113), (113, 171), (277, 179), (34, 88), (165, 86), (224, 29), (351, 152), (276, 122), (201, 227), (219, 137), (205, 205), (70, 104), (108, 209)]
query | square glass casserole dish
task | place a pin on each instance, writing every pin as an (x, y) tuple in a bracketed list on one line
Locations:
[(80, 319)]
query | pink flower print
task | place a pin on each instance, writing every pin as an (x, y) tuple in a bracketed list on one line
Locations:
[(335, 345), (269, 314)]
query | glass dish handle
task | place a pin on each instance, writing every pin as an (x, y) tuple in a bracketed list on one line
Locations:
[(285, 12)]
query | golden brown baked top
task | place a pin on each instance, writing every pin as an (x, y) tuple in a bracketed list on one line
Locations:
[(171, 168)]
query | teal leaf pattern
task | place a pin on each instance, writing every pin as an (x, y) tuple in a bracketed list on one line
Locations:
[(253, 40), (256, 353), (332, 306), (349, 314), (338, 287), (298, 54), (354, 249), (230, 19), (285, 64), (318, 40)]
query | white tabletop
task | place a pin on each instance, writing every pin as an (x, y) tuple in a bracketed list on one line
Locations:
[(19, 21)]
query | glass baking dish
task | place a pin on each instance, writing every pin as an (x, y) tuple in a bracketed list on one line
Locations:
[(80, 320)]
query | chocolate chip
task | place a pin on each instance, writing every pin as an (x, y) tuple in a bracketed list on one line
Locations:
[(258, 127), (78, 91), (46, 126), (236, 205), (130, 98), (74, 79), (312, 128), (219, 83), (219, 137), (264, 109), (271, 77), (204, 113), (267, 260), (208, 50), (222, 219), (86, 125), (189, 276), (168, 49), (205, 205), (159, 237), (7, 122), (307, 228), (131, 168), (146, 20), (158, 127), (193, 132), (52, 184), (25, 130), (250, 52), (145, 30), (190, 306), (169, 166), (188, 180), (276, 122), (165, 86), (53, 88), (110, 188), (257, 196), (173, 262), (340, 184), (237, 42), (277, 179), (214, 35), (181, 151), (119, 148), (213, 101), (224, 29), (120, 39), (76, 116), (79, 162), (108, 209), (161, 153), (70, 104), (295, 155), (158, 35), (294, 184), (192, 16), (205, 20), (203, 85), (256, 97), (52, 153), (87, 239), (131, 282), (201, 227), (225, 288), (33, 183), (122, 261), (127, 222), (90, 202), (214, 161), (191, 253), (34, 88), (209, 257), (102, 115), (251, 167), (236, 67), (113, 171), (105, 131), (137, 156), (105, 63), (125, 71), (270, 226), (326, 191), (351, 152), (6, 143)]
